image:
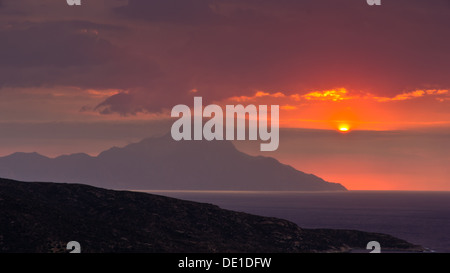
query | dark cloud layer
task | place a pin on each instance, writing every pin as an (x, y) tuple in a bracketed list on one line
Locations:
[(59, 44), (294, 46), (157, 51), (171, 11), (70, 53)]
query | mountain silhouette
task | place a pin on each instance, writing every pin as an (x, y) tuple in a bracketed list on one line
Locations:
[(161, 163)]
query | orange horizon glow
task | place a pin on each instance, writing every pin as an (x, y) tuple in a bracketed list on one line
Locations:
[(327, 109), (406, 165)]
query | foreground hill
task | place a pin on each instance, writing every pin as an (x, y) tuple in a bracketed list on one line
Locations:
[(44, 217), (161, 163)]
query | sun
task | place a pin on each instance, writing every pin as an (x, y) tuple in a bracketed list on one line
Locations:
[(344, 128)]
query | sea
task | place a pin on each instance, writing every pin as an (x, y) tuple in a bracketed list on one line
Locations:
[(418, 217)]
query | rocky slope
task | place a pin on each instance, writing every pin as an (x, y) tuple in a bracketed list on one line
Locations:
[(44, 217)]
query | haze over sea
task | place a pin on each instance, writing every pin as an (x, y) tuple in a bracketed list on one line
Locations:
[(419, 217)]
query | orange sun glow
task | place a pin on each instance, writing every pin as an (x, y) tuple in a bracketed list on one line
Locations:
[(344, 128)]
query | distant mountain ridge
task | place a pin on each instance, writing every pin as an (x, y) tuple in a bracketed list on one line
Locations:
[(160, 163)]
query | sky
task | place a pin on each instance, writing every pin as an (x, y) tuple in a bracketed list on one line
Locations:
[(85, 78)]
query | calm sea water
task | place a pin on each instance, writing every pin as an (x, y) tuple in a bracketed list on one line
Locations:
[(419, 217)]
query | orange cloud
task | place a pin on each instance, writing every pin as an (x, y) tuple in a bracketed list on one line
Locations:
[(333, 95), (329, 109), (412, 95), (258, 94), (102, 93)]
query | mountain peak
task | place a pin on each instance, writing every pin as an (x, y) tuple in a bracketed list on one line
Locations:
[(23, 155), (165, 146), (161, 163)]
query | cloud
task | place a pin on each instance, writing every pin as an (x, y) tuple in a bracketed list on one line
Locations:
[(359, 110), (145, 100), (340, 94), (119, 103), (258, 94), (297, 46), (69, 53), (175, 11), (415, 94), (155, 52), (59, 44), (333, 95)]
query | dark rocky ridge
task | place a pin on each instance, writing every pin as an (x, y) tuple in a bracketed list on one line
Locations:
[(160, 163), (44, 217)]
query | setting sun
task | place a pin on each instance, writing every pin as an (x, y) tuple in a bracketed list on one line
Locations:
[(344, 128)]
